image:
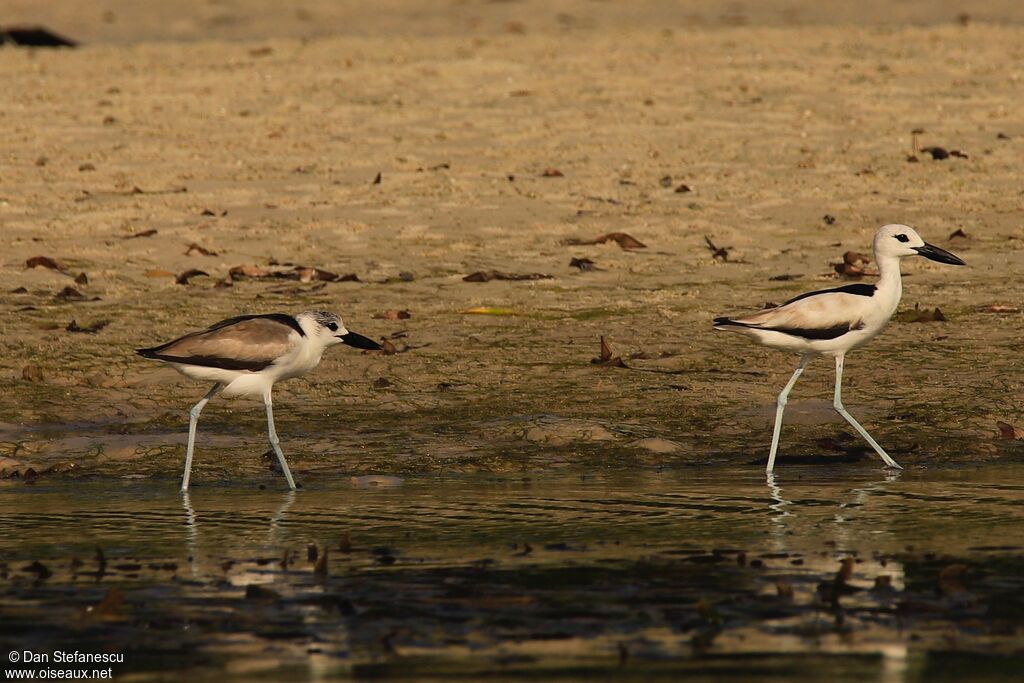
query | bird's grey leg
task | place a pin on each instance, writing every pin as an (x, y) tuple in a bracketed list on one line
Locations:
[(193, 421), (275, 443), (780, 406), (837, 403)]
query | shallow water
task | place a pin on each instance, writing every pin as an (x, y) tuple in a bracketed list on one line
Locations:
[(649, 573)]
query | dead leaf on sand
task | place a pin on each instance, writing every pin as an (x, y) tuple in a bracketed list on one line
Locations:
[(189, 274), (251, 271), (717, 253), (606, 358), (393, 315), (73, 326), (300, 273), (196, 248), (32, 373), (488, 275), (387, 347), (999, 308), (34, 35), (82, 279), (144, 233), (921, 316), (584, 264), (44, 262), (552, 173), (853, 266), (307, 274), (958, 234), (71, 294), (297, 290), (1008, 431), (624, 240)]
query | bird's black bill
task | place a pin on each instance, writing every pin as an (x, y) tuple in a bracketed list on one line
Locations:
[(359, 341), (941, 255)]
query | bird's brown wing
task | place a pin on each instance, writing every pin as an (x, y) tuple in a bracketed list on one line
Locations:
[(251, 343), (827, 311)]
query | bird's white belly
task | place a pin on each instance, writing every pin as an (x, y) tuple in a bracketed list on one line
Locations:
[(248, 383)]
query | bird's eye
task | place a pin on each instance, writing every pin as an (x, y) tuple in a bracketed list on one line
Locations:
[(902, 238), (333, 327)]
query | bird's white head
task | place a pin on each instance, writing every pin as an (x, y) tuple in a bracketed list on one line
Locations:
[(897, 241), (327, 329)]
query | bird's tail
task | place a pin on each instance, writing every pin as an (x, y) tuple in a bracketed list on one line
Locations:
[(723, 323)]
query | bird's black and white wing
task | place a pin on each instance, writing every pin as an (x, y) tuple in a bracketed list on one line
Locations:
[(242, 343), (827, 314)]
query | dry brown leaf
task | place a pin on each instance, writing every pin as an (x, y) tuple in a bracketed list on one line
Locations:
[(921, 316), (196, 248), (718, 253), (73, 326), (44, 262), (307, 274), (584, 264), (1008, 431), (144, 233), (393, 315), (71, 294), (855, 258), (32, 373), (606, 358), (388, 348), (624, 240), (488, 275), (552, 173), (240, 272), (189, 274)]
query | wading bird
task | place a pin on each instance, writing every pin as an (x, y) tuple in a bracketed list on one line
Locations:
[(246, 355), (832, 322)]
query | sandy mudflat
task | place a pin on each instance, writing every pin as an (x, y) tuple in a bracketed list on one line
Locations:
[(277, 125)]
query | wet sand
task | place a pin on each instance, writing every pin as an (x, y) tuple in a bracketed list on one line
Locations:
[(771, 127)]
